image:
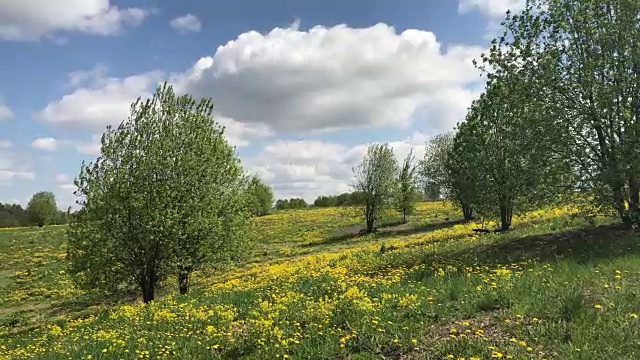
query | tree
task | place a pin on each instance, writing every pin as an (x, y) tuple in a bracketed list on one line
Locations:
[(42, 208), (406, 187), (324, 201), (166, 196), (375, 177), (13, 215), (261, 196), (586, 54), (293, 203), (511, 148), (443, 172)]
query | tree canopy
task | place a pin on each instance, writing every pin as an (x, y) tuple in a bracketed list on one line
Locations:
[(42, 208), (375, 178), (166, 195)]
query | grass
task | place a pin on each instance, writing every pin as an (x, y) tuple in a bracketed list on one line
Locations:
[(313, 288)]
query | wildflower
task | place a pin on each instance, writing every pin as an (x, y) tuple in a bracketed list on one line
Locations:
[(597, 306)]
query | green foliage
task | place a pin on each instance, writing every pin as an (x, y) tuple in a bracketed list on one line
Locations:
[(510, 149), (293, 203), (261, 196), (375, 178), (583, 56), (12, 215), (166, 195), (42, 208), (406, 187)]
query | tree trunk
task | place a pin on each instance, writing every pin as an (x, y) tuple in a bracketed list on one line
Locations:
[(404, 217), (183, 281), (506, 214), (634, 199), (148, 291), (467, 212), (370, 215), (618, 203), (148, 283)]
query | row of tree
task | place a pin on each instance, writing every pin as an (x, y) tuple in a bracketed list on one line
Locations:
[(41, 210), (344, 199), (560, 115)]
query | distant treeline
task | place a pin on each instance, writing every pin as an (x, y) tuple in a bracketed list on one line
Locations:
[(14, 215), (346, 199)]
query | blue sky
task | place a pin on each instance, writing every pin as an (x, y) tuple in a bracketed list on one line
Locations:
[(302, 86)]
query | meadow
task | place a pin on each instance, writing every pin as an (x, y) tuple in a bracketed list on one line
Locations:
[(555, 287)]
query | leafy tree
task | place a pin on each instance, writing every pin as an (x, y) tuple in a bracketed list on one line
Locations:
[(324, 201), (586, 54), (12, 215), (344, 199), (512, 153), (293, 203), (356, 198), (375, 178), (261, 196), (443, 172), (166, 196), (406, 187), (42, 208), (282, 204)]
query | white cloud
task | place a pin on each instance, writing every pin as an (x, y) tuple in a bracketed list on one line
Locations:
[(5, 112), (9, 170), (310, 168), (48, 144), (240, 134), (30, 20), (62, 178), (332, 78), (6, 176), (490, 8), (91, 147), (5, 144), (186, 23), (100, 102), (97, 101)]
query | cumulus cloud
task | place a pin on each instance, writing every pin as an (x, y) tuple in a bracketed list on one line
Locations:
[(5, 144), (100, 101), (5, 112), (186, 23), (490, 8), (9, 169), (48, 144), (333, 78), (310, 168), (30, 20), (97, 101)]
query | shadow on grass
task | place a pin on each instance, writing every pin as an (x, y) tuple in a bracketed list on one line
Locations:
[(386, 230), (580, 245)]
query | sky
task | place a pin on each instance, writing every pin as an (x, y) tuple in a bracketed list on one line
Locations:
[(302, 87)]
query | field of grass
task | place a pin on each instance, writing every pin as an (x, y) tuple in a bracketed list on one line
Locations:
[(553, 288)]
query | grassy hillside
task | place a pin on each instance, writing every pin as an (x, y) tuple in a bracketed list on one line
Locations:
[(314, 289)]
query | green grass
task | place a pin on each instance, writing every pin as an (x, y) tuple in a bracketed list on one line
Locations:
[(553, 288)]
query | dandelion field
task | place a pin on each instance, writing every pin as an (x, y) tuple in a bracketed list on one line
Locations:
[(312, 288)]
